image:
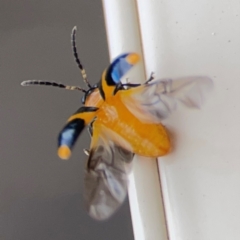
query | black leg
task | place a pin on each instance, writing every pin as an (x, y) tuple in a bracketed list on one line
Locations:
[(150, 78)]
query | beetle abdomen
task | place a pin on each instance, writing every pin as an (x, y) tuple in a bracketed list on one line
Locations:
[(147, 139)]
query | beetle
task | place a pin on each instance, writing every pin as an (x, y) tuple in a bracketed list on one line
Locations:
[(124, 119)]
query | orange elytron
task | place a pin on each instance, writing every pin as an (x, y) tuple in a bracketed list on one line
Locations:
[(123, 119)]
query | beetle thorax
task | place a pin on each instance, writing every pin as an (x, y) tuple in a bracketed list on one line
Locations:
[(108, 113)]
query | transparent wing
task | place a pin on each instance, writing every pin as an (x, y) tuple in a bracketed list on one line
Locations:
[(106, 178), (154, 101)]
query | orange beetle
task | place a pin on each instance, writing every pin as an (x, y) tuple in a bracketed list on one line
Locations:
[(123, 119)]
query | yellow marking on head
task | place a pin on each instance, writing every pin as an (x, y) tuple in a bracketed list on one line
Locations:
[(133, 58), (64, 152)]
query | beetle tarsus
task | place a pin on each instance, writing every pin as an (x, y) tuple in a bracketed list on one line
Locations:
[(150, 78)]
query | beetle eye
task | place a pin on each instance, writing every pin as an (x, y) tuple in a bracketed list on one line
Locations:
[(83, 99)]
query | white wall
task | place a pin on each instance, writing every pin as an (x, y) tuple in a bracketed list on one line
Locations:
[(201, 177)]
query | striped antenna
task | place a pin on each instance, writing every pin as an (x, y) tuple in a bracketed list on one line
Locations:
[(74, 47), (54, 84)]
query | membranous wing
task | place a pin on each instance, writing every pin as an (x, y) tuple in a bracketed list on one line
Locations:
[(154, 101), (106, 178)]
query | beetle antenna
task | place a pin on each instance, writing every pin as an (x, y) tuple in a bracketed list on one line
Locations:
[(54, 84), (74, 47)]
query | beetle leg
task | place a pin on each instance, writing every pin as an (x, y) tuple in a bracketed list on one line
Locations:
[(86, 151), (150, 78)]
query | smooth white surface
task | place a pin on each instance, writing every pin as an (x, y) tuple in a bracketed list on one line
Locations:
[(144, 191), (201, 178)]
